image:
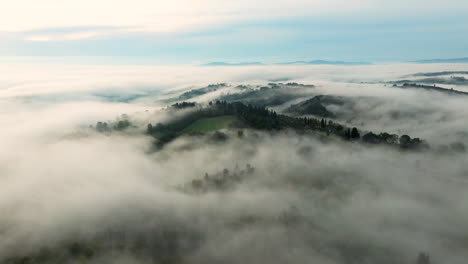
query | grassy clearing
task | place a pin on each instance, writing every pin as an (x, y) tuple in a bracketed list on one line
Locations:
[(206, 125)]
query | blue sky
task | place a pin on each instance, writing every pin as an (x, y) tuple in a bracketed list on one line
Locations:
[(267, 31)]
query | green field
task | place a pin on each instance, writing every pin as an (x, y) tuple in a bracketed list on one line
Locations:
[(211, 124)]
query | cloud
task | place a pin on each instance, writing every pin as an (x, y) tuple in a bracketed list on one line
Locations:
[(65, 37), (160, 16), (183, 15)]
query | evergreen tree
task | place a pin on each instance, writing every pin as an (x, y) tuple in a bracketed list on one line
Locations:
[(355, 133), (149, 129), (347, 133)]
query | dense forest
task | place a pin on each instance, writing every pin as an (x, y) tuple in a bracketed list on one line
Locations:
[(261, 118)]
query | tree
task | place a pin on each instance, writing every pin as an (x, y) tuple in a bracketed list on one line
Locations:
[(405, 141), (389, 138), (355, 133), (323, 124), (122, 124), (102, 127), (423, 258), (458, 147), (371, 138), (339, 128), (149, 129), (348, 133)]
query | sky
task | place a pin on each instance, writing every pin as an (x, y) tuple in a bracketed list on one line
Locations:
[(187, 31)]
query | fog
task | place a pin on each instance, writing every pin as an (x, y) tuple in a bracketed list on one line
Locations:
[(310, 199)]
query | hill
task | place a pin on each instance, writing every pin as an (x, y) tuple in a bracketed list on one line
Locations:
[(325, 62), (220, 63), (452, 80), (220, 114), (201, 91), (315, 106), (430, 88), (441, 73), (454, 60), (273, 94), (209, 124)]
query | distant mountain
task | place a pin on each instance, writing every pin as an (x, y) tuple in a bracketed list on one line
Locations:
[(314, 62), (442, 73), (455, 60), (220, 63), (325, 62)]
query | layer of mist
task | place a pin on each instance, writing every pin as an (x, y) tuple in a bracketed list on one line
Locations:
[(69, 193)]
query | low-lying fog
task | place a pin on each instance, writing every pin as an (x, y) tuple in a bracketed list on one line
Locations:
[(308, 200)]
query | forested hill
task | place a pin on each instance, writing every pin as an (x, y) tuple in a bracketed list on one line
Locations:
[(430, 88), (255, 117)]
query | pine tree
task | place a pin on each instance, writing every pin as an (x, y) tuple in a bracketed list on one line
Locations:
[(355, 133)]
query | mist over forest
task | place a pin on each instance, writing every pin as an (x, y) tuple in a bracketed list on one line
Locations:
[(251, 164)]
